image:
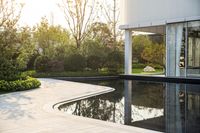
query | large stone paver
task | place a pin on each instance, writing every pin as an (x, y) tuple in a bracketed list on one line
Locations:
[(32, 112)]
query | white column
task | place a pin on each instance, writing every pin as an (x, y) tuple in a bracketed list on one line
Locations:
[(128, 52), (174, 34)]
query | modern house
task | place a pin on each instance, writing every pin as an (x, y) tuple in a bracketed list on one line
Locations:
[(177, 20)]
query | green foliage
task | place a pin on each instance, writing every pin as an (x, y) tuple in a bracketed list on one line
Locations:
[(73, 74), (56, 65), (16, 48), (154, 54), (139, 65), (100, 32), (19, 85), (139, 43), (52, 40), (146, 51), (94, 47), (115, 61), (94, 62), (96, 54), (30, 73), (42, 64), (75, 62), (8, 70), (140, 71)]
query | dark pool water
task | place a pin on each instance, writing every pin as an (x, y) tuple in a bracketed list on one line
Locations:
[(166, 107)]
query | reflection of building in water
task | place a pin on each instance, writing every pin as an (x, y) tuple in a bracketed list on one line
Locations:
[(128, 101), (181, 112), (144, 105), (166, 107), (182, 108)]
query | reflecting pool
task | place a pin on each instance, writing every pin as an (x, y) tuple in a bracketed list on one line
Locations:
[(166, 107)]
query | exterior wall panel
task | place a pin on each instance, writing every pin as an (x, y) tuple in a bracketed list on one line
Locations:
[(144, 13)]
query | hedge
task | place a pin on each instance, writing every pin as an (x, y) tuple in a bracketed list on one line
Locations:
[(41, 64), (19, 85), (74, 63)]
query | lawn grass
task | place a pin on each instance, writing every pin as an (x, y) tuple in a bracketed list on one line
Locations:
[(140, 71), (92, 73)]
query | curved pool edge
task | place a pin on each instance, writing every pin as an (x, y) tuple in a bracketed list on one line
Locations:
[(81, 97)]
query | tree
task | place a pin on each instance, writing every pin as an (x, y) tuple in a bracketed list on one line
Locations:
[(139, 44), (15, 43), (16, 48), (111, 13), (79, 14), (10, 12), (51, 41), (95, 53), (154, 53), (100, 32)]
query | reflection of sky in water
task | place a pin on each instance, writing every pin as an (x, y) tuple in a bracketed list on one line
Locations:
[(165, 107)]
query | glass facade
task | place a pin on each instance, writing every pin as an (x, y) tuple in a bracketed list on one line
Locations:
[(183, 49), (193, 48)]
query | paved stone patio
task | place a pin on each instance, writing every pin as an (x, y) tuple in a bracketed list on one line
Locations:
[(32, 112)]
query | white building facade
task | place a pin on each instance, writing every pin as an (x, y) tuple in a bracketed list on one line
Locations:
[(178, 20)]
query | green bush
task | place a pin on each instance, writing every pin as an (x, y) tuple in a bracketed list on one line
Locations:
[(56, 66), (156, 66), (45, 64), (94, 62), (26, 74), (19, 85), (139, 65), (75, 62), (8, 70), (115, 61), (42, 64)]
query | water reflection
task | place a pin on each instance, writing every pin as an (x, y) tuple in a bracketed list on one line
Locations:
[(128, 102), (182, 108), (174, 108)]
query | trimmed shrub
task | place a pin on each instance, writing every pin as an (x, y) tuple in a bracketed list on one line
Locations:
[(8, 70), (156, 66), (115, 61), (139, 65), (56, 66), (19, 85), (26, 74), (94, 62), (42, 64), (75, 62)]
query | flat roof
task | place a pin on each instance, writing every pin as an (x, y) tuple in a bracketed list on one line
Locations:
[(157, 26)]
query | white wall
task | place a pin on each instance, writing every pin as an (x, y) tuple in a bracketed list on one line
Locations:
[(141, 13)]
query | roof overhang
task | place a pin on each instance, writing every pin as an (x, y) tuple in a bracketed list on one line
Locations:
[(156, 26)]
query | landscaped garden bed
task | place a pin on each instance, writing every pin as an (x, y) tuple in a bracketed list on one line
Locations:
[(19, 85)]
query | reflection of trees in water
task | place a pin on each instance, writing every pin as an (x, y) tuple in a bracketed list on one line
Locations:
[(103, 107), (92, 108), (110, 107), (148, 100)]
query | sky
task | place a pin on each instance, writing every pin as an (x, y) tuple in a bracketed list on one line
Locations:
[(34, 10)]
